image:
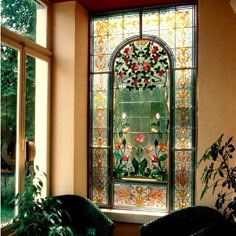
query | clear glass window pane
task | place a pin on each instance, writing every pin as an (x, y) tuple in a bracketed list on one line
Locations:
[(9, 78), (25, 17)]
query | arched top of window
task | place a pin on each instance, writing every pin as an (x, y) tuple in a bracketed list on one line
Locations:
[(140, 47)]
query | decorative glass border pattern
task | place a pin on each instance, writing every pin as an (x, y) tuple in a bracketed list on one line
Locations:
[(141, 196)]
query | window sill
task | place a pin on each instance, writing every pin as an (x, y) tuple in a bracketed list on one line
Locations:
[(8, 230), (128, 216)]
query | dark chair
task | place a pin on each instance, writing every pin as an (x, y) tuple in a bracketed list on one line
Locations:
[(191, 221), (84, 217)]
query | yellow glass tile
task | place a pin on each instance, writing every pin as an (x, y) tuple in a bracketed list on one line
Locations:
[(167, 20), (101, 27), (184, 37), (184, 57), (183, 18), (151, 21)]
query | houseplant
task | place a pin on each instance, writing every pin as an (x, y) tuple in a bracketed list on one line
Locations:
[(37, 215), (219, 176)]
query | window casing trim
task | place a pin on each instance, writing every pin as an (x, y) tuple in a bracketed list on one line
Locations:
[(14, 37)]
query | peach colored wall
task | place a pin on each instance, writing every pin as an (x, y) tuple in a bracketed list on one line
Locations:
[(81, 103), (216, 89), (216, 78), (69, 99)]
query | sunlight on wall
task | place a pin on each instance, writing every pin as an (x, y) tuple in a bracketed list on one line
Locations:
[(41, 119), (41, 26)]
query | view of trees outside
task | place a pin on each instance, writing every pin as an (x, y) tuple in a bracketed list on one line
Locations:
[(9, 73), (18, 16)]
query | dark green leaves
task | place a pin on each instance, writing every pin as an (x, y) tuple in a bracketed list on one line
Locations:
[(218, 175), (38, 215)]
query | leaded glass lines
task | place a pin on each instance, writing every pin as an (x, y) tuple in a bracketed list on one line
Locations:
[(174, 29)]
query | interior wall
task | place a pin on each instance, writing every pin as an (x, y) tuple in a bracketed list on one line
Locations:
[(62, 106), (216, 79), (69, 99), (216, 83), (81, 101)]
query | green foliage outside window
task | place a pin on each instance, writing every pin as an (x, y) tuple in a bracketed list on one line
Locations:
[(18, 16)]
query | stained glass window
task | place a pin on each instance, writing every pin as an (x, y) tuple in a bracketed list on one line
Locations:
[(142, 109)]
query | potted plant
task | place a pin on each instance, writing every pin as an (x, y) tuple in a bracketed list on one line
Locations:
[(219, 176), (38, 216)]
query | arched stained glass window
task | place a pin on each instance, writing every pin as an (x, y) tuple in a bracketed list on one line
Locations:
[(142, 109), (141, 115)]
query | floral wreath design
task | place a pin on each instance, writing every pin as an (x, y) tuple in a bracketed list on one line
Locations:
[(141, 65)]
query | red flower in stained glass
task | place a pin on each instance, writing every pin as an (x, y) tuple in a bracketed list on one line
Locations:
[(154, 49), (125, 157), (161, 72), (146, 66), (134, 66), (126, 59), (127, 51), (135, 81), (154, 158), (139, 138), (155, 57), (121, 74)]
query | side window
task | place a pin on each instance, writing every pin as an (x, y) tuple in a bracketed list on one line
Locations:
[(142, 109), (24, 95), (9, 82)]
